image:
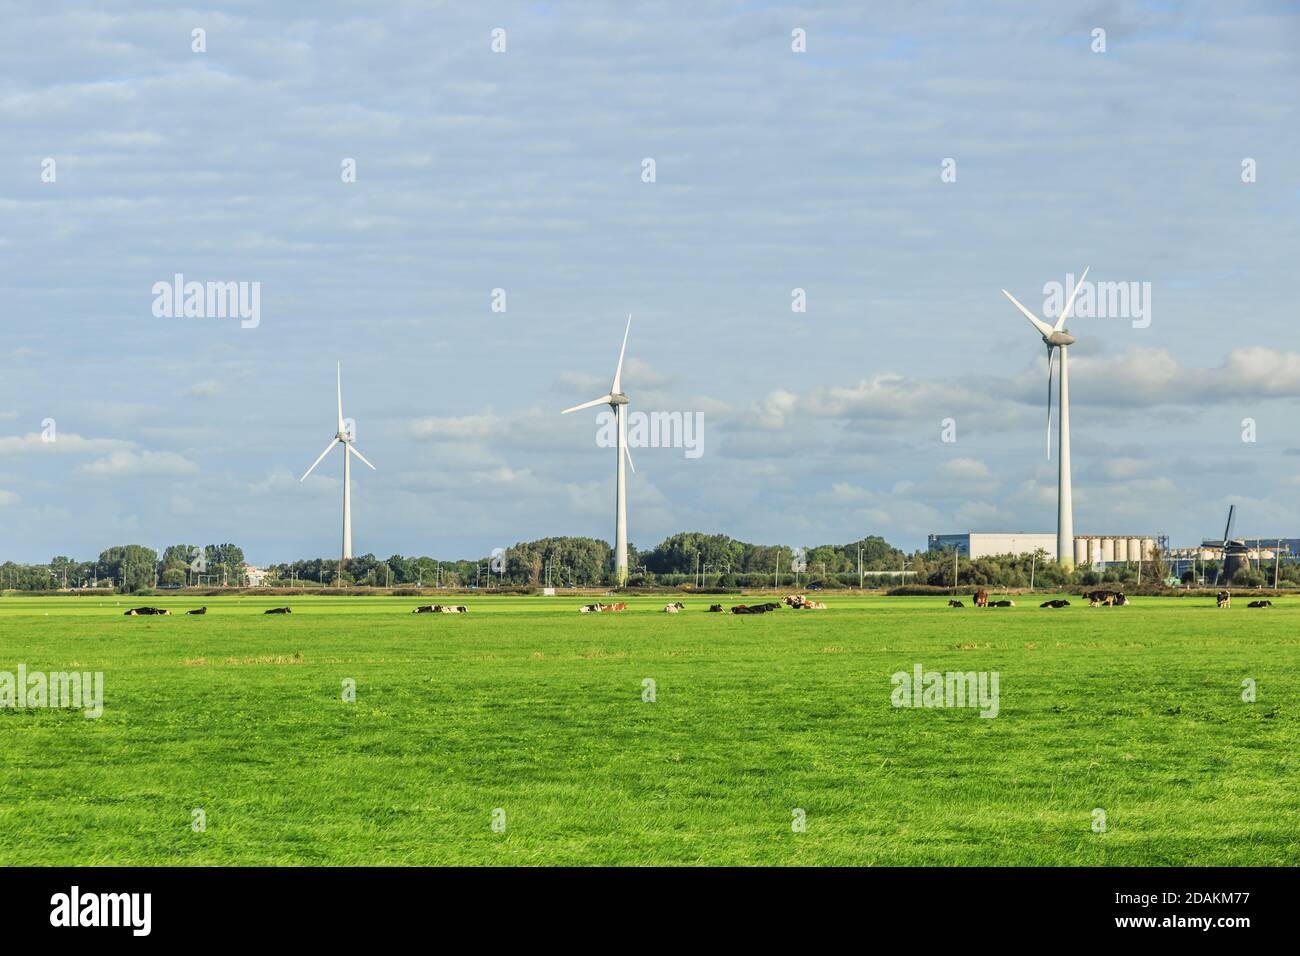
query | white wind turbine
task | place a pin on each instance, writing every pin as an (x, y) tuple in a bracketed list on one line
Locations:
[(342, 437), (618, 402), (1056, 337)]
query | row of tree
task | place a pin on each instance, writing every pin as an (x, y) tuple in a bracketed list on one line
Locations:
[(130, 568), (705, 560)]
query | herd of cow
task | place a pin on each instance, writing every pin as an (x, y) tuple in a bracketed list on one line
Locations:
[(1095, 599), (797, 601)]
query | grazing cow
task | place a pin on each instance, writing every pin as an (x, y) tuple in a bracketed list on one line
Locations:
[(145, 611), (1002, 604), (198, 610), (1059, 602), (1225, 599), (981, 598), (1260, 604), (715, 608), (955, 604), (277, 610)]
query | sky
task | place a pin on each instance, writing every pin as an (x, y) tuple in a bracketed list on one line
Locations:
[(911, 162)]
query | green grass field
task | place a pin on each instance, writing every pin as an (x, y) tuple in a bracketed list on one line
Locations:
[(528, 706)]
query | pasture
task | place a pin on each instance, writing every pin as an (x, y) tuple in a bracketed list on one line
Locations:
[(526, 706)]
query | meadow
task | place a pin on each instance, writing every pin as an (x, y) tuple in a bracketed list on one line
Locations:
[(526, 712)]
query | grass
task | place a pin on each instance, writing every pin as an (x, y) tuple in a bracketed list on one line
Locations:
[(528, 706)]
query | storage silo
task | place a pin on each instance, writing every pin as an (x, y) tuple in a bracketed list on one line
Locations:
[(1135, 552), (1094, 551), (1121, 549), (1080, 550), (1107, 549)]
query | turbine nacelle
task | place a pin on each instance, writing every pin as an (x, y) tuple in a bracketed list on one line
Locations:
[(1058, 338), (617, 399)]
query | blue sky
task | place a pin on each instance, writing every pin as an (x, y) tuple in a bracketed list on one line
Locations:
[(523, 171)]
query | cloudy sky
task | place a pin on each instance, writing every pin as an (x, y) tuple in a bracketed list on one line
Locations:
[(524, 170)]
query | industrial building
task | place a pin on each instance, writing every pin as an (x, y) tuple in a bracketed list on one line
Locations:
[(1089, 549)]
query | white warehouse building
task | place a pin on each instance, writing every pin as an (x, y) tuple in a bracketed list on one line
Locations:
[(1088, 548)]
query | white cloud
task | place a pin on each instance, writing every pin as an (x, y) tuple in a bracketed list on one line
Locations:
[(139, 464), (65, 443)]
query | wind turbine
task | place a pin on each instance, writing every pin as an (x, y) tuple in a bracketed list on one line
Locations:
[(618, 402), (342, 437), (1056, 337)]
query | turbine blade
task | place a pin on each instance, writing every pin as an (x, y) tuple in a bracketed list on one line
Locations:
[(359, 455), (1065, 313), (339, 373), (1050, 353), (1042, 327), (603, 400), (618, 372), (332, 443), (622, 430)]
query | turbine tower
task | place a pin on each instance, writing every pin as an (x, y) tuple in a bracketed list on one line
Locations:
[(345, 438), (1055, 337), (618, 402)]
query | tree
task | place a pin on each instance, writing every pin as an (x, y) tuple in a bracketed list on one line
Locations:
[(131, 566)]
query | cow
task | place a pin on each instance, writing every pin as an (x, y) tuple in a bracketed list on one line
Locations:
[(198, 610), (592, 608), (674, 607), (1224, 599), (1059, 602), (755, 608), (955, 604), (1002, 604), (451, 609), (981, 598), (424, 609), (715, 608), (140, 611), (798, 601), (1106, 598), (1260, 604), (277, 610)]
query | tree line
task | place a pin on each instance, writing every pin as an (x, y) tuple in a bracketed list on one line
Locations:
[(690, 557)]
